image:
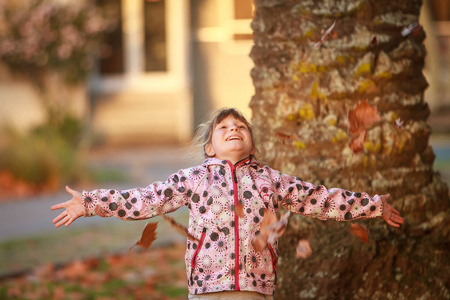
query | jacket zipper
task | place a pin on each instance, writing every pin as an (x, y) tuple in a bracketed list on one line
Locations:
[(194, 257), (236, 223)]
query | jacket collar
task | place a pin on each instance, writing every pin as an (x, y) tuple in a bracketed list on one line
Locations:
[(215, 161)]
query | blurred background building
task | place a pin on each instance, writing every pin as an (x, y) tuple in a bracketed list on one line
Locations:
[(172, 62)]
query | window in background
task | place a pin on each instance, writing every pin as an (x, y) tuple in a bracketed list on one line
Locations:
[(243, 14), (112, 54), (155, 48)]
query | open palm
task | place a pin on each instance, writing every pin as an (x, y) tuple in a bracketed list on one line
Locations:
[(73, 209), (390, 214)]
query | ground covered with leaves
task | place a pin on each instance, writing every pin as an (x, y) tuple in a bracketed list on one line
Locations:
[(156, 273)]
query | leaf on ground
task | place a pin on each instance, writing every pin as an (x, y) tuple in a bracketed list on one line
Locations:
[(360, 232), (148, 236), (74, 270), (303, 249), (374, 41), (325, 34), (240, 210), (359, 118), (180, 228), (271, 228)]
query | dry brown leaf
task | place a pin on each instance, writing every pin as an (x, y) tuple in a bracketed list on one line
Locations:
[(239, 210), (303, 249), (360, 232), (284, 138), (148, 236), (374, 41), (271, 228), (180, 228), (74, 270), (359, 118), (325, 35)]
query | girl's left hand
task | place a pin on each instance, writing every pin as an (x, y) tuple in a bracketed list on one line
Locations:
[(390, 214)]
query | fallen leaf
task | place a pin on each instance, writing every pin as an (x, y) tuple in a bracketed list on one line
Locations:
[(413, 28), (325, 35), (271, 228), (303, 249), (148, 236), (374, 41), (359, 118), (239, 210), (74, 270), (180, 228), (398, 123), (360, 232)]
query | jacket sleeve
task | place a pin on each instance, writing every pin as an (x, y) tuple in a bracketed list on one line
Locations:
[(320, 202), (143, 203)]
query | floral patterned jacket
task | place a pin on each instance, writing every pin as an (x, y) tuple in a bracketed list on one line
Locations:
[(224, 259)]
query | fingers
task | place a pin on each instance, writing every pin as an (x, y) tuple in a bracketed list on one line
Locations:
[(397, 219), (70, 221), (395, 211), (69, 190), (59, 205), (63, 220), (392, 223), (59, 217)]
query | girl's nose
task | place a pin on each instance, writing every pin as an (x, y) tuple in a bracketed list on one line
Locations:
[(234, 128)]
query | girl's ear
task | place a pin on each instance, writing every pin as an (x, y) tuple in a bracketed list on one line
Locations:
[(209, 150), (253, 150)]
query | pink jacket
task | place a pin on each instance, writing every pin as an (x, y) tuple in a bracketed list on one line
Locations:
[(225, 259)]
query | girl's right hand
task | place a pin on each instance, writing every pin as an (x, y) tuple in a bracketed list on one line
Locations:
[(73, 209)]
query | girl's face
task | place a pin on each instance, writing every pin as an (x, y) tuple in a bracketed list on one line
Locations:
[(231, 140)]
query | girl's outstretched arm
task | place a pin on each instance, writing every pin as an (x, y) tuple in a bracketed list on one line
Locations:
[(335, 204), (390, 214), (73, 209)]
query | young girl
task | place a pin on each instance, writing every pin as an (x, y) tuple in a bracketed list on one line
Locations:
[(224, 261)]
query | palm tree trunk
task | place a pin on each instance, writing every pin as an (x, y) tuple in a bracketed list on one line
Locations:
[(302, 96)]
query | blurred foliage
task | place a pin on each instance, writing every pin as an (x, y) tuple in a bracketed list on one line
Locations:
[(47, 156), (53, 44), (42, 35)]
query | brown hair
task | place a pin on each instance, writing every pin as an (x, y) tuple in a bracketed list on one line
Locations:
[(205, 130)]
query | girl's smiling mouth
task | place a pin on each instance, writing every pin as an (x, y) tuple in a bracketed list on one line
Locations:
[(233, 137)]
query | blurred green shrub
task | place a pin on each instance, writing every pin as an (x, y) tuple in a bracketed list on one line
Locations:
[(47, 156)]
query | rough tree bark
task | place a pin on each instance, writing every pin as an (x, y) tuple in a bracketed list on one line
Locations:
[(302, 96)]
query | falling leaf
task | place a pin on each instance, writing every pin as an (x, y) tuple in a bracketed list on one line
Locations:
[(325, 35), (180, 228), (374, 41), (413, 28), (359, 118), (360, 232), (399, 123), (240, 210), (283, 137), (303, 249), (271, 229), (148, 236)]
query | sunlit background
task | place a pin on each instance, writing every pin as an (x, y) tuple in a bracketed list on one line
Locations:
[(109, 92)]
